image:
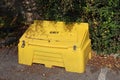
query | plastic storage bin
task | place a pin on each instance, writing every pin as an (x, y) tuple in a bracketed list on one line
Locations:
[(56, 44)]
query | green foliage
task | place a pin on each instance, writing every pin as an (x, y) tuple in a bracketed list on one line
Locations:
[(104, 25), (102, 15), (60, 10)]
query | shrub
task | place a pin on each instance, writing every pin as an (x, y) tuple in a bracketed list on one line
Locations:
[(102, 15), (104, 25)]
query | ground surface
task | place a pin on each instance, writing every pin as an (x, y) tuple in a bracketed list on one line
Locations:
[(11, 70)]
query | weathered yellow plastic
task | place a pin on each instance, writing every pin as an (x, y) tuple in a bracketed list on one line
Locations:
[(56, 44)]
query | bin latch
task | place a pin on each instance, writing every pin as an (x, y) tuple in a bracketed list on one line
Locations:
[(23, 44), (74, 47)]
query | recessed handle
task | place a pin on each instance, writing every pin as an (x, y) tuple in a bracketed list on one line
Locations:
[(54, 32)]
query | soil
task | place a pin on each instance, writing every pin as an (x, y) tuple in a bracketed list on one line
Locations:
[(109, 61)]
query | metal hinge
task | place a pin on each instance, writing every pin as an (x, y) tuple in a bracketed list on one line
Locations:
[(74, 47), (23, 44)]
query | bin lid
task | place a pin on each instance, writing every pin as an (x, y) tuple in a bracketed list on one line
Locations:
[(52, 33)]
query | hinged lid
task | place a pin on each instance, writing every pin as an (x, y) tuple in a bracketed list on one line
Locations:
[(55, 33)]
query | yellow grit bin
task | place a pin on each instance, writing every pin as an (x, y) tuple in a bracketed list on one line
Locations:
[(56, 44)]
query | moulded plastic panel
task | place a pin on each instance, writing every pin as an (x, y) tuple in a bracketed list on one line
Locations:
[(56, 44)]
